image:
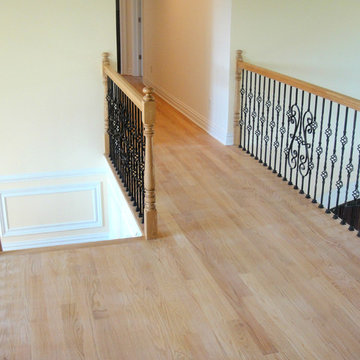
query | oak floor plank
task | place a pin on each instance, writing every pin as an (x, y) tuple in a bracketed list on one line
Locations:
[(244, 268)]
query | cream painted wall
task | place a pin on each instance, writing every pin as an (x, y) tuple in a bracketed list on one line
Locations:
[(313, 40), (190, 60), (186, 57), (51, 95)]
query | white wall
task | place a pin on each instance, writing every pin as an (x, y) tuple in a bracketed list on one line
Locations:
[(51, 95), (186, 58), (52, 124), (190, 60), (313, 40)]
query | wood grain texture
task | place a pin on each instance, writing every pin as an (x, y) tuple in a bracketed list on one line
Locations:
[(243, 268), (303, 85)]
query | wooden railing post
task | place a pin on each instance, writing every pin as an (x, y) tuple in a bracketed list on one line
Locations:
[(237, 98), (105, 62), (150, 212)]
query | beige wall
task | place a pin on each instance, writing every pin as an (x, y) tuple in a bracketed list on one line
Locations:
[(189, 58), (313, 40), (186, 57), (51, 106)]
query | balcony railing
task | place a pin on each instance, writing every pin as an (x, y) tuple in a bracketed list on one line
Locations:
[(307, 135), (129, 131)]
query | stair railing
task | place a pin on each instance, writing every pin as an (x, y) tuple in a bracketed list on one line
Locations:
[(129, 132), (307, 135)]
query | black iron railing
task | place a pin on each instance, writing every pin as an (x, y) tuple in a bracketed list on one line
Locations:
[(308, 140), (126, 143)]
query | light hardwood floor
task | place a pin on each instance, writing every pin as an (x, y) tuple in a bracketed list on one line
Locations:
[(244, 268)]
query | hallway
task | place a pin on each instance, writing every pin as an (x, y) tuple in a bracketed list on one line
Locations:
[(244, 268)]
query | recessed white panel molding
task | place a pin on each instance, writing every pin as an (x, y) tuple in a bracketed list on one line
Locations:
[(50, 209)]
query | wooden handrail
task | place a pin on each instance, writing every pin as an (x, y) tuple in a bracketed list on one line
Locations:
[(146, 104), (303, 85), (124, 85)]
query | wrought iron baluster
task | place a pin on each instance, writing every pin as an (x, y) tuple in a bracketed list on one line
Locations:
[(339, 183), (333, 159), (250, 96), (245, 109), (311, 164), (350, 169), (262, 120), (257, 132), (242, 93), (266, 138), (324, 173), (319, 151), (307, 130), (276, 143), (282, 131), (272, 123), (287, 150), (299, 138), (253, 115)]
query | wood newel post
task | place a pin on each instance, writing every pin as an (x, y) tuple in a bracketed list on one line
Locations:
[(237, 99), (106, 62), (150, 212)]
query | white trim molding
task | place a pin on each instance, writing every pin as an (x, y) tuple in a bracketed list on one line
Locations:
[(95, 222), (66, 240), (51, 175)]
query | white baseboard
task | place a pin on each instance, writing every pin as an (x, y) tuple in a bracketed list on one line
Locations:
[(77, 239), (188, 111)]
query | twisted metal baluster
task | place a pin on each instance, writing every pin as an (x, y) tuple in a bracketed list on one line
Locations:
[(333, 159), (282, 131), (356, 192), (241, 122), (276, 143), (324, 174), (350, 169), (319, 150), (257, 132), (253, 115), (262, 120), (339, 184), (250, 96), (268, 105), (272, 124), (287, 150)]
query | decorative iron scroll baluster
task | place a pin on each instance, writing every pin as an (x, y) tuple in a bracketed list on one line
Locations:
[(127, 142), (304, 138), (311, 163)]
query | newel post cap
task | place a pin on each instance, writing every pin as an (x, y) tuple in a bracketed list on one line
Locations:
[(148, 91)]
